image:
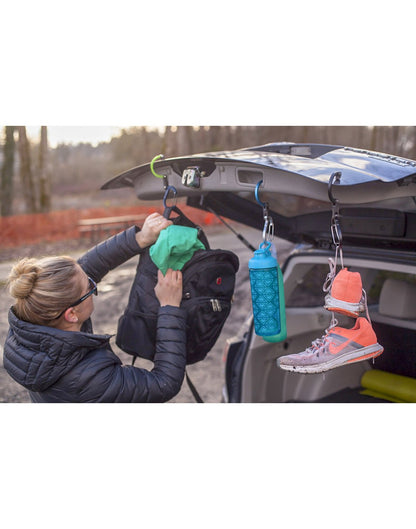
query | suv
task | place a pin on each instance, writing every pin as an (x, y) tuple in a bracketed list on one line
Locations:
[(319, 197)]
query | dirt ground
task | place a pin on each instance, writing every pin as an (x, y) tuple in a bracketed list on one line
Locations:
[(206, 375)]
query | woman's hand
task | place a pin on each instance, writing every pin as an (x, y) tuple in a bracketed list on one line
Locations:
[(168, 289), (151, 228)]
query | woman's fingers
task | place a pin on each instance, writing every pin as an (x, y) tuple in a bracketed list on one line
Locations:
[(169, 287), (151, 229)]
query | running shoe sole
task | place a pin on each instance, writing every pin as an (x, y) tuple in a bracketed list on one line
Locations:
[(365, 353), (343, 307)]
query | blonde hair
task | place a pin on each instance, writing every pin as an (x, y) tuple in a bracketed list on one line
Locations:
[(43, 288)]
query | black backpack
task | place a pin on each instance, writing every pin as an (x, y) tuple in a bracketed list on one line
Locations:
[(208, 287)]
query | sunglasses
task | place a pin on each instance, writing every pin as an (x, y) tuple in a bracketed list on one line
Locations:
[(93, 290)]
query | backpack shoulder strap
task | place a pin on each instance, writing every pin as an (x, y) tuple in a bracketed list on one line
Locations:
[(194, 392), (183, 220)]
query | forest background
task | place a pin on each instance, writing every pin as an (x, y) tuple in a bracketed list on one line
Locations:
[(36, 178)]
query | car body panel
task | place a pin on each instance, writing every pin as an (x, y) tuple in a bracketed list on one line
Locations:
[(375, 192), (283, 168)]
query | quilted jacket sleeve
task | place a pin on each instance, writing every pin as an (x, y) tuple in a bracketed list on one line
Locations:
[(111, 253), (109, 381)]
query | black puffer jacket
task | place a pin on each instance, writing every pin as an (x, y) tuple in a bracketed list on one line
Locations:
[(67, 366)]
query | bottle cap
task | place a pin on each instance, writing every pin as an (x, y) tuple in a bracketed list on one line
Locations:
[(262, 257)]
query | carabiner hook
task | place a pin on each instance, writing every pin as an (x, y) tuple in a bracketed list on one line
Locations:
[(165, 197), (268, 230), (154, 173), (335, 178), (336, 232), (264, 205), (335, 227), (256, 194), (158, 157)]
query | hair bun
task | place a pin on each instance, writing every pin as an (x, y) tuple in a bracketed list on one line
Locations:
[(22, 278)]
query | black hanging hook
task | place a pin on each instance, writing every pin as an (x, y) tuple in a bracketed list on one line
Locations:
[(335, 178), (335, 225), (268, 230)]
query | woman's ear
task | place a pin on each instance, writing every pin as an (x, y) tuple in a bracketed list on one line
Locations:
[(70, 315)]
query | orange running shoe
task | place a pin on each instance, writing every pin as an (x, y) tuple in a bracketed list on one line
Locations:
[(347, 295), (336, 348)]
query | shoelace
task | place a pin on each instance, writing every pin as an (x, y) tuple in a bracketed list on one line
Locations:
[(366, 306), (330, 276), (319, 342)]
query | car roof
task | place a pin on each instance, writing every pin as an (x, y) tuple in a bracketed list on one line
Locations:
[(376, 189)]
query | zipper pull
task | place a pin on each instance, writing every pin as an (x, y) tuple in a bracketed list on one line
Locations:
[(216, 306)]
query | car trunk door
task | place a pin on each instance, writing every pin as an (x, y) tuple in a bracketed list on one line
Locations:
[(375, 191)]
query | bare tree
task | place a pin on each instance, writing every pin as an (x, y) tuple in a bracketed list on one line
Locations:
[(200, 139), (183, 140), (26, 175), (374, 137), (7, 172), (412, 151), (44, 174), (169, 144)]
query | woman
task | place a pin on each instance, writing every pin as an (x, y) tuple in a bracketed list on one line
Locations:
[(51, 349)]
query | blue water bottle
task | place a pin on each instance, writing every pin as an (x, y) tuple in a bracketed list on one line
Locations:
[(267, 295)]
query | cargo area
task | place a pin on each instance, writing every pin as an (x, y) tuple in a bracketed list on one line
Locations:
[(391, 302)]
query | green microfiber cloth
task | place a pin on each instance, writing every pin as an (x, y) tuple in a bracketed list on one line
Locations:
[(174, 247)]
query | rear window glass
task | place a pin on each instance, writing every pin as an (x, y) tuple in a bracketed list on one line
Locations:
[(308, 291)]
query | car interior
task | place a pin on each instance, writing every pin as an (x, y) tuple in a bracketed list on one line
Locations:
[(392, 309)]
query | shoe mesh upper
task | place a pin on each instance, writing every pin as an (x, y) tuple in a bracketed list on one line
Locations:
[(347, 286)]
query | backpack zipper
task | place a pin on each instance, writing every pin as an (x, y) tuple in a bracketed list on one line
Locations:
[(216, 305)]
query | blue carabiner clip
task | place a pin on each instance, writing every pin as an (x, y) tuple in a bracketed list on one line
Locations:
[(165, 197), (256, 194), (264, 205)]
